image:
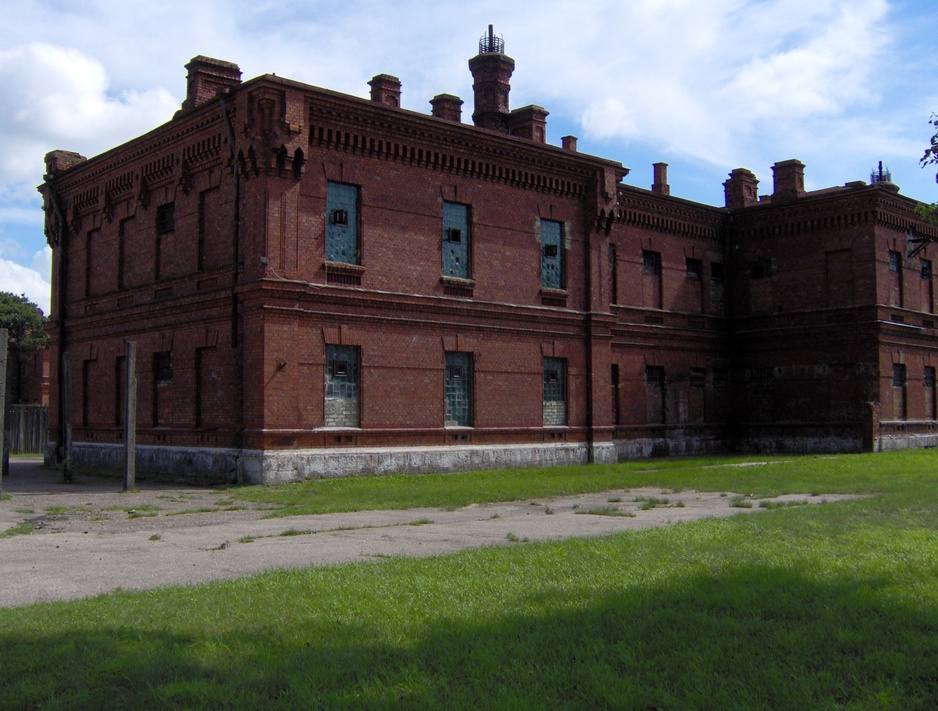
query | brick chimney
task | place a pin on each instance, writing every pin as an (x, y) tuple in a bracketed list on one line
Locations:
[(660, 186), (447, 106), (386, 89), (568, 143), (57, 161), (206, 76), (742, 189), (789, 180), (491, 71), (528, 122)]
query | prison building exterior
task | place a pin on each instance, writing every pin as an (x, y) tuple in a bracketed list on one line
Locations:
[(319, 285)]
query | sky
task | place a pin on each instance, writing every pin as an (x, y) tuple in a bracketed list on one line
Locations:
[(703, 85)]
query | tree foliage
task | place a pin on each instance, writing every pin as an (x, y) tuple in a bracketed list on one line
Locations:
[(23, 321), (930, 212)]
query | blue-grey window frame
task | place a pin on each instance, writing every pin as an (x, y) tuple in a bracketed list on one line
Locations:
[(343, 228), (552, 255), (457, 255)]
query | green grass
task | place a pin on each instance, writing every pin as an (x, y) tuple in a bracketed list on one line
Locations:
[(758, 477), (20, 530), (606, 511), (805, 607)]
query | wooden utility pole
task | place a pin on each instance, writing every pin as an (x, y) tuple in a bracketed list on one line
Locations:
[(130, 417), (4, 452)]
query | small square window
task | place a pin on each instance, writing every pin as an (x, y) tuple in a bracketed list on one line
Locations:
[(651, 262), (760, 270), (895, 261), (454, 235), (694, 269), (339, 217), (551, 376), (717, 272), (763, 378), (455, 372), (340, 369), (550, 250), (165, 219), (162, 366), (898, 375)]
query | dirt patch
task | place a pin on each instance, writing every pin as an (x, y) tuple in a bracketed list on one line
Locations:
[(90, 538)]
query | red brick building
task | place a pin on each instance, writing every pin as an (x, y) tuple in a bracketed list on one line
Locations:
[(319, 284)]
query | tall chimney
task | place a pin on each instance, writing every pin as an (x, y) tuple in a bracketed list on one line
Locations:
[(660, 185), (491, 71)]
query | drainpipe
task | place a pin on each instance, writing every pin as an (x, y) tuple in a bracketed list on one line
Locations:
[(62, 234), (235, 255)]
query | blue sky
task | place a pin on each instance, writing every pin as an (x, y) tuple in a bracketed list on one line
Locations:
[(703, 85)]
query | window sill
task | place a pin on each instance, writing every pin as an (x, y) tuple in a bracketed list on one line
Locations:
[(343, 268), (343, 274), (457, 281), (457, 287), (553, 297)]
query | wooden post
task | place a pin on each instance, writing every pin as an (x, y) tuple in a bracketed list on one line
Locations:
[(130, 417), (65, 376), (4, 451)]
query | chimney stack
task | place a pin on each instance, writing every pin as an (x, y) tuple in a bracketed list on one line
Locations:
[(660, 186), (447, 106), (789, 180), (206, 76), (386, 89), (742, 189)]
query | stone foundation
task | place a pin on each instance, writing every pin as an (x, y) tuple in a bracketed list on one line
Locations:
[(280, 466)]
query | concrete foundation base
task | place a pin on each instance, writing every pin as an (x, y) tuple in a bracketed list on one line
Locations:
[(280, 466), (274, 467)]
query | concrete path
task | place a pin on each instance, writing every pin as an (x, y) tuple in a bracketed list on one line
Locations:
[(90, 538)]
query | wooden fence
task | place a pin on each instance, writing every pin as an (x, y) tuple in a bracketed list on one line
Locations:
[(26, 428)]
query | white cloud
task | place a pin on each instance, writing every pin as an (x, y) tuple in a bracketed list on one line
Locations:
[(57, 97), (33, 282)]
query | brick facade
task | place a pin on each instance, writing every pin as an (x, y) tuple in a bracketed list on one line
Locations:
[(297, 266)]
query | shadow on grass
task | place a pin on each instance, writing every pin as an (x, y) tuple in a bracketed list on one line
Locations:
[(758, 637)]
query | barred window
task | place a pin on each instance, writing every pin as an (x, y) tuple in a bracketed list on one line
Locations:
[(165, 219), (694, 269), (654, 376), (162, 366), (651, 262)]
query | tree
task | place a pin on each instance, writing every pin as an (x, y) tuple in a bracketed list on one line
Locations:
[(930, 212), (24, 322)]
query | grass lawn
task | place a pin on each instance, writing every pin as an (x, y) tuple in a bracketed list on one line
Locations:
[(832, 607)]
